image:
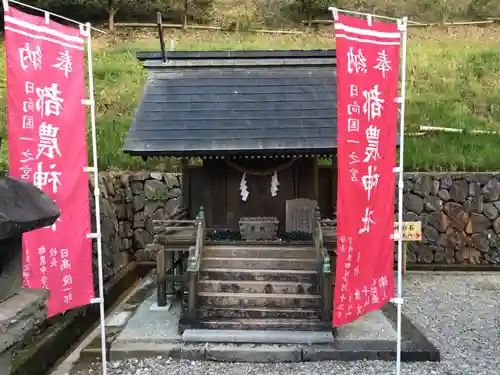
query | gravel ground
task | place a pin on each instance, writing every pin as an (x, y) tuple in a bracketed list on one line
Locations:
[(460, 314)]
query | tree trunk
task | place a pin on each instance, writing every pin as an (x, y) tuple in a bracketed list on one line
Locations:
[(185, 15), (111, 14)]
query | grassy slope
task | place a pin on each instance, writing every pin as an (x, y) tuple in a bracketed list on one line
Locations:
[(453, 81)]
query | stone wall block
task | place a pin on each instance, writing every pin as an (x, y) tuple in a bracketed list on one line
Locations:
[(491, 191)]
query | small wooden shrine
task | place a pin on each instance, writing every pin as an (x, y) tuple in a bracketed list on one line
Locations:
[(256, 131)]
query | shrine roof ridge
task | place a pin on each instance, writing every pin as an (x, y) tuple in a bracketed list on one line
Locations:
[(236, 54)]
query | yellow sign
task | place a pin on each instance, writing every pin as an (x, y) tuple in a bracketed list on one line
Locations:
[(412, 231)]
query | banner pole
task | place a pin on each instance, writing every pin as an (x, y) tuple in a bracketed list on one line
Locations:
[(97, 195), (403, 28)]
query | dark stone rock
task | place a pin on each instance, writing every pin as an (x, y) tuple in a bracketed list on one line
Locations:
[(432, 203), (440, 255), (157, 176), (413, 203), (483, 178), (478, 204), (468, 255), (496, 225), (443, 240), (139, 220), (126, 244), (435, 187), (139, 203), (407, 186), (497, 205), (481, 242), (468, 206), (458, 217), (171, 180), (159, 215), (438, 220), (150, 207), (125, 229), (456, 239), (474, 189), (423, 252), (137, 187), (24, 208), (491, 191), (444, 195), (142, 238), (155, 190), (493, 239), (490, 211), (459, 191), (139, 176), (171, 207), (450, 255), (446, 181), (129, 195), (121, 211), (410, 216), (411, 258), (174, 193), (477, 223), (431, 234), (423, 185)]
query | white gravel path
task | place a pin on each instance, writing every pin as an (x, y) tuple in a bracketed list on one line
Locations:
[(459, 312)]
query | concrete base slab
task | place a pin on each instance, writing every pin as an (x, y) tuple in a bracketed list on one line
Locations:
[(256, 337), (155, 307), (152, 325), (372, 326), (121, 351), (253, 354), (118, 319)]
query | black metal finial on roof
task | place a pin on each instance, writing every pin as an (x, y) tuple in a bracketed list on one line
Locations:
[(160, 34)]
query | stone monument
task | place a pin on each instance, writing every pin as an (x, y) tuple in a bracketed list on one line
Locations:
[(23, 208)]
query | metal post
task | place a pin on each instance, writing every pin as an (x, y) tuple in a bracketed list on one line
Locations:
[(403, 28), (97, 195), (159, 22)]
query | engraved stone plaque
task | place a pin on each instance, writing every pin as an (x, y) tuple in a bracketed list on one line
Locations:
[(300, 215)]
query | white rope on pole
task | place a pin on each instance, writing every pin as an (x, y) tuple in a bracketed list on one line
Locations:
[(403, 28), (97, 195), (47, 13), (456, 130)]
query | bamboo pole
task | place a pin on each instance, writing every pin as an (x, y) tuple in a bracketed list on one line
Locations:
[(488, 21), (198, 27)]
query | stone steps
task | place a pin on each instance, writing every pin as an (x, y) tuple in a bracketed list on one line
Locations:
[(260, 263), (263, 287), (243, 274), (266, 324), (259, 287), (238, 312), (258, 299), (256, 336), (294, 252)]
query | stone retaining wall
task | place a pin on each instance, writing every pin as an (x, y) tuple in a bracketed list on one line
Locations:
[(460, 215), (130, 201)]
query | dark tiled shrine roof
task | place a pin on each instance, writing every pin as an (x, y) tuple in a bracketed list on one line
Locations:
[(236, 102)]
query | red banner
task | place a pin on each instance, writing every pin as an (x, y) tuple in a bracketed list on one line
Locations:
[(47, 147), (367, 79)]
